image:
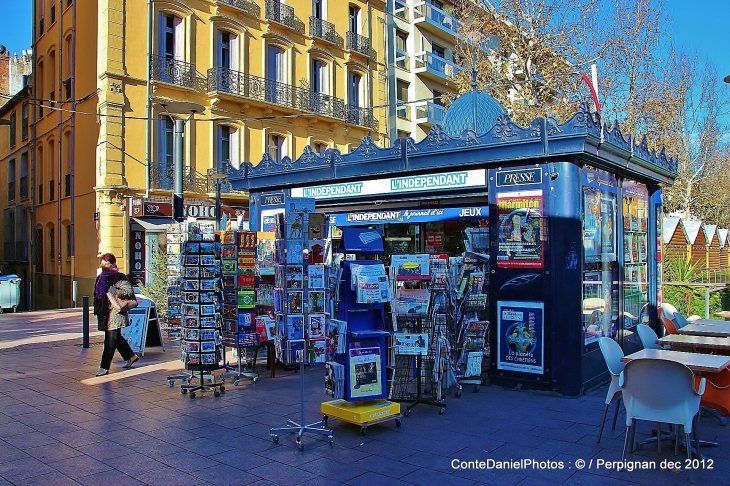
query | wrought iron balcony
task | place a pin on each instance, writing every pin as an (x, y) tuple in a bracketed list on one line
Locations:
[(247, 6), (282, 14), (321, 29), (172, 71), (358, 43), (293, 97), (162, 177)]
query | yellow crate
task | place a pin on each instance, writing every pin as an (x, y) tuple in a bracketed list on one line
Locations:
[(361, 413)]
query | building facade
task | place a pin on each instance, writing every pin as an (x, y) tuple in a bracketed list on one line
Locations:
[(264, 76)]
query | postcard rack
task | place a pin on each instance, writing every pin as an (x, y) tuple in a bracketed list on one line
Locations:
[(301, 301), (200, 343)]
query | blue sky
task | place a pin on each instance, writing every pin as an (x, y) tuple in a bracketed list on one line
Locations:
[(699, 25)]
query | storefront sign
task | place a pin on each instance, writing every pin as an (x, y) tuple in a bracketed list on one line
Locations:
[(396, 185), (272, 199), (521, 336), (144, 207), (136, 256), (521, 230), (421, 215), (519, 177)]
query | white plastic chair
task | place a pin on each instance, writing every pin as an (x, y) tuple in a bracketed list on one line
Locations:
[(648, 337), (660, 390), (612, 354)]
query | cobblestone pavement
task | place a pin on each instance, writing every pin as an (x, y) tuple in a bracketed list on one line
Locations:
[(59, 425)]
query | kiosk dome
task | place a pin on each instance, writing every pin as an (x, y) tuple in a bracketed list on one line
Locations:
[(473, 110)]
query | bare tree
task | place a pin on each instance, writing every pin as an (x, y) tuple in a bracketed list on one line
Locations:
[(527, 54)]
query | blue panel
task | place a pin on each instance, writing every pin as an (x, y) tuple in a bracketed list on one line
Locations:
[(361, 240)]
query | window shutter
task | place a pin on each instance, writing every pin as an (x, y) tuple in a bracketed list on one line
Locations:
[(179, 40)]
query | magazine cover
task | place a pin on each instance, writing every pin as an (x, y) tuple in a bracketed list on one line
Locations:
[(296, 351), (411, 344), (411, 266), (336, 335), (266, 328), (372, 289), (365, 367)]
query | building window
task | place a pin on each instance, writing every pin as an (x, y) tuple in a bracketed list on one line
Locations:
[(319, 148), (11, 180), (23, 186), (403, 109), (354, 19), (51, 172), (403, 134), (276, 146), (24, 122), (67, 229), (319, 76), (438, 98), (353, 97), (171, 37), (51, 242), (12, 129), (224, 50), (227, 145), (276, 92), (318, 9), (39, 174), (38, 250), (439, 51)]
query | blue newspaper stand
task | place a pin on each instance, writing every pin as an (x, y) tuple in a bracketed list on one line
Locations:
[(9, 293)]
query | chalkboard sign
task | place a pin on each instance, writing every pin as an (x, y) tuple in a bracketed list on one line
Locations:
[(137, 333)]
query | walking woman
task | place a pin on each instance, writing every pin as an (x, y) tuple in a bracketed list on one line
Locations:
[(113, 296)]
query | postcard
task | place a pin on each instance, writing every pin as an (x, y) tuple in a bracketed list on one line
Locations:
[(316, 326), (295, 326)]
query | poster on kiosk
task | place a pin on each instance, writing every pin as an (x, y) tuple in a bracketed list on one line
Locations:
[(521, 336)]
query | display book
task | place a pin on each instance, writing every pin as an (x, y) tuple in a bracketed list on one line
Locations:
[(355, 369)]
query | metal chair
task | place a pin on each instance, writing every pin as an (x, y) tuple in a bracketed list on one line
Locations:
[(648, 337), (612, 354), (659, 391)]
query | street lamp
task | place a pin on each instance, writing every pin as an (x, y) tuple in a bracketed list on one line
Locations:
[(179, 108), (218, 175)]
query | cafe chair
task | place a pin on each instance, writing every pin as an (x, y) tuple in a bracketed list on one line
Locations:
[(717, 391), (669, 326), (612, 354), (648, 337), (680, 321), (660, 391)]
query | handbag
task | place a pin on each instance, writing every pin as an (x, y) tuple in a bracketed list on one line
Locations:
[(121, 297)]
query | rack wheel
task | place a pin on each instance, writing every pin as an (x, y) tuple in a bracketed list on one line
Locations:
[(192, 395), (183, 390), (1, 310), (330, 439), (406, 413), (275, 438), (14, 309), (325, 418), (476, 388), (223, 389), (255, 379), (170, 382), (458, 393), (364, 431), (301, 446), (441, 412), (216, 393), (398, 422), (235, 383)]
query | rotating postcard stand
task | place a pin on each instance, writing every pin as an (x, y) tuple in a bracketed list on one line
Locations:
[(363, 289), (300, 300)]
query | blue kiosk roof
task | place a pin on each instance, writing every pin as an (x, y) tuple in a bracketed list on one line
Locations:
[(496, 142)]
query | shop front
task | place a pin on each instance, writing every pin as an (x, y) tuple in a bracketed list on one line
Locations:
[(149, 218), (568, 217)]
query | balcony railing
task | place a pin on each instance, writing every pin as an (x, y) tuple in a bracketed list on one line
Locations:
[(23, 188), (321, 29), (172, 71), (239, 4), (435, 15), (162, 177), (293, 97), (403, 111), (401, 11), (358, 43), (436, 64), (282, 14), (402, 60), (429, 112)]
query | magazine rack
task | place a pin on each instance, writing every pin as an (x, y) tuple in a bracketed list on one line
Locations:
[(364, 356)]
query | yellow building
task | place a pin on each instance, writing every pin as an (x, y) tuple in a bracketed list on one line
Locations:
[(271, 76)]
